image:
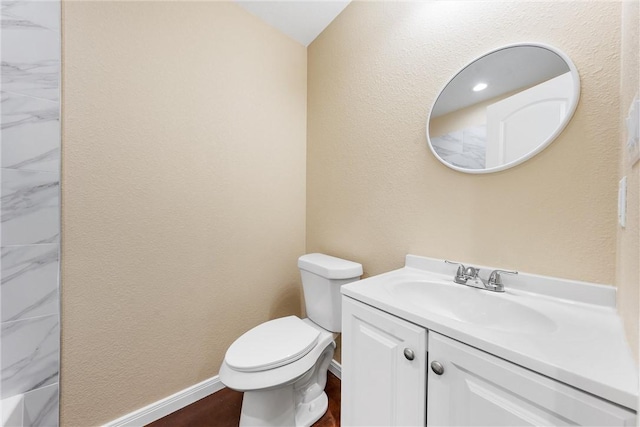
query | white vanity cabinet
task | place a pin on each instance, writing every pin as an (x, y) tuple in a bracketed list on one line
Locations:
[(384, 363), (477, 388), (382, 386)]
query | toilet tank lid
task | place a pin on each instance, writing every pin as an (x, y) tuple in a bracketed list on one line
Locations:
[(329, 267)]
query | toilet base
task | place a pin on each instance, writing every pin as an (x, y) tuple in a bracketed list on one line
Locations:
[(274, 408), (309, 413), (299, 403), (268, 408)]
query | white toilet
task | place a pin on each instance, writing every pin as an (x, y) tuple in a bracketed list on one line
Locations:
[(281, 365)]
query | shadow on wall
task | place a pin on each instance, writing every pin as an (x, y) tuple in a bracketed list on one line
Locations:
[(288, 302)]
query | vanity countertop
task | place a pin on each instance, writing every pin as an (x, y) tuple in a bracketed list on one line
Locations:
[(581, 341)]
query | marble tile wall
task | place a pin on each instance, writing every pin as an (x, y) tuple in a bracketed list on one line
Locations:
[(464, 148), (30, 206)]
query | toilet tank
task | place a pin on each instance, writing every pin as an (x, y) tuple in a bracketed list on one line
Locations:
[(322, 276)]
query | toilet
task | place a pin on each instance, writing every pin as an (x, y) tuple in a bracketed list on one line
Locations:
[(281, 365)]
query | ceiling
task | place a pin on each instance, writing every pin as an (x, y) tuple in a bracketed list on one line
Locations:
[(301, 20), (504, 71)]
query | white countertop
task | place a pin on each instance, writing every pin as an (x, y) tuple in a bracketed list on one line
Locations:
[(587, 349)]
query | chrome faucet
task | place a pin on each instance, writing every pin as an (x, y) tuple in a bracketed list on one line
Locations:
[(466, 274), (495, 280)]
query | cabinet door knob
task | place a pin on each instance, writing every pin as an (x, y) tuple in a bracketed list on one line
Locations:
[(408, 353), (437, 367)]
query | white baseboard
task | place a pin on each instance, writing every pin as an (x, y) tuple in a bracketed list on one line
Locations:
[(336, 369), (166, 406), (179, 400)]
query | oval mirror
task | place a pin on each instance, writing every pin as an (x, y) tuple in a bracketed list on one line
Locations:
[(503, 108)]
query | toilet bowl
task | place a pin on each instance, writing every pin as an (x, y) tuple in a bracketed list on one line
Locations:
[(291, 391), (281, 365)]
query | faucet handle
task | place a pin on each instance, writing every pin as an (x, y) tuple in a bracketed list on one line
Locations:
[(460, 274), (495, 280), (461, 267)]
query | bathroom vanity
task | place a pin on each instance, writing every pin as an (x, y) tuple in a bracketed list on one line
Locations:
[(419, 349)]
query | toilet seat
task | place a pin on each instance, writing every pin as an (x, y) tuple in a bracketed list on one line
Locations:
[(272, 344), (251, 381)]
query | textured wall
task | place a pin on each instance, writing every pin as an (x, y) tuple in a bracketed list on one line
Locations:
[(628, 271), (29, 297), (376, 193), (183, 190)]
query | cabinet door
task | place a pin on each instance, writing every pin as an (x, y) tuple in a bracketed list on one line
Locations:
[(380, 385), (477, 388)]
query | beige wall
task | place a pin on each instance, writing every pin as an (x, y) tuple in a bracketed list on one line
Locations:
[(628, 259), (183, 178), (183, 191), (376, 193)]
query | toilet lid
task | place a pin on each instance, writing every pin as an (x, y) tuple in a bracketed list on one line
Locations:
[(272, 344)]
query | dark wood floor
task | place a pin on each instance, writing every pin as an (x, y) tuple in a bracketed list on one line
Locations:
[(222, 409)]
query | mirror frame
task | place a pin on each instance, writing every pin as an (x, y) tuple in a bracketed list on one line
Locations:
[(572, 108)]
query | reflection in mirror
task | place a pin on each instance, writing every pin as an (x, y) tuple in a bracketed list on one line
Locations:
[(503, 108)]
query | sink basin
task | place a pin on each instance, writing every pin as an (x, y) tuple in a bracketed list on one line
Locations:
[(492, 310)]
